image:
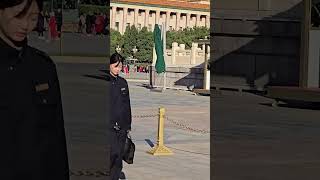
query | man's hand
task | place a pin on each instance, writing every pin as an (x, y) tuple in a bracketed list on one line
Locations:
[(129, 134)]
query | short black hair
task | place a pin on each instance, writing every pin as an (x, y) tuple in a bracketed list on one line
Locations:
[(11, 3), (116, 58)]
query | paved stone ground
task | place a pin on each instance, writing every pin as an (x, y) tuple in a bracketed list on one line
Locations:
[(72, 44), (251, 140), (137, 75), (191, 159), (254, 141), (84, 110)]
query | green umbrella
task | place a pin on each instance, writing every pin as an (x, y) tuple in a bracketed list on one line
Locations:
[(160, 64)]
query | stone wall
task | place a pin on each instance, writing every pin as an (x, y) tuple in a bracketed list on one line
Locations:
[(184, 67), (257, 43), (178, 77), (181, 56)]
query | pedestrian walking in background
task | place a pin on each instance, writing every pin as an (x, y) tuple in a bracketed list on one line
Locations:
[(99, 24), (88, 24), (40, 25), (53, 27), (82, 24), (93, 23), (46, 21), (105, 24)]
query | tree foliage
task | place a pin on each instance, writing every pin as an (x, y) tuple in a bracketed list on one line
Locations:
[(143, 40)]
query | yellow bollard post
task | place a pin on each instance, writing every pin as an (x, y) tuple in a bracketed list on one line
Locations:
[(160, 149)]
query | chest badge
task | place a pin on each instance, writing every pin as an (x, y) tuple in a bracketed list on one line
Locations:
[(42, 87), (123, 89)]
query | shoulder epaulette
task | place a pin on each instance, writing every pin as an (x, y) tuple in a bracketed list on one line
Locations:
[(42, 54)]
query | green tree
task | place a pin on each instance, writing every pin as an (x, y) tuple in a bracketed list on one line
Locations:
[(144, 42), (144, 45), (116, 39), (130, 40), (186, 36)]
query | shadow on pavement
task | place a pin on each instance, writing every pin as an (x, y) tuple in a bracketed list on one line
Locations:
[(296, 105), (101, 77), (149, 142)]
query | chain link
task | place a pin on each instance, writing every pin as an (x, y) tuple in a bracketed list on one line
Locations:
[(89, 173), (186, 127), (146, 116), (174, 123)]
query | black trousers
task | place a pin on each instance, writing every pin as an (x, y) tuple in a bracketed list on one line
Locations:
[(118, 139)]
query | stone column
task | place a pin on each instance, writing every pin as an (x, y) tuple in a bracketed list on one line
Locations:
[(178, 20), (113, 19), (125, 16), (136, 12), (157, 16), (208, 51), (182, 50), (188, 20), (175, 47), (198, 20), (193, 53), (111, 16), (208, 21), (168, 19), (146, 19)]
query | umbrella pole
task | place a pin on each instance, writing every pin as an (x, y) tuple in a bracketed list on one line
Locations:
[(164, 81), (164, 38)]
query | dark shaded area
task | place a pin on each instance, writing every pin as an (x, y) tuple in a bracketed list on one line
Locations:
[(194, 79), (100, 77), (295, 105), (150, 143), (86, 116), (251, 139), (315, 14), (256, 52), (254, 141)]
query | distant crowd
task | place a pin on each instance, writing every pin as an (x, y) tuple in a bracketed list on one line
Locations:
[(135, 68), (95, 24), (51, 22)]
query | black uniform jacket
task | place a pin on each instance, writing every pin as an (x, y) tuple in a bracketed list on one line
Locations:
[(32, 135), (120, 102)]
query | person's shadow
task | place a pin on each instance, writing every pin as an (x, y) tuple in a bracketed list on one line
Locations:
[(100, 76)]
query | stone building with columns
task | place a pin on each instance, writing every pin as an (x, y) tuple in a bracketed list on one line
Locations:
[(175, 14)]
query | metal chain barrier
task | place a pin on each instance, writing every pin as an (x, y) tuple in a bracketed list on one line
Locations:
[(145, 116), (186, 127), (174, 123), (89, 173)]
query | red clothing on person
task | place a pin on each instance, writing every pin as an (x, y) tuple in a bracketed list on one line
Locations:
[(53, 27), (99, 24)]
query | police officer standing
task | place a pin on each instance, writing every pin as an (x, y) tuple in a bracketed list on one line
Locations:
[(120, 125), (32, 135)]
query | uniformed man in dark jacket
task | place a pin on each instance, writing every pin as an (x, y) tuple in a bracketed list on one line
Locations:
[(32, 135), (120, 124)]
